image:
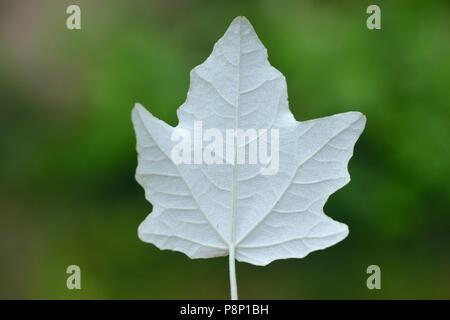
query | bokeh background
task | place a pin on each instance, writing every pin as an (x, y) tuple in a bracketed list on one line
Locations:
[(67, 147)]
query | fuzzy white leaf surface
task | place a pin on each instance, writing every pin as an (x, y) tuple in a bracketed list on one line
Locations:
[(205, 210)]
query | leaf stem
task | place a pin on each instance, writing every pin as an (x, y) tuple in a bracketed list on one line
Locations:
[(232, 268)]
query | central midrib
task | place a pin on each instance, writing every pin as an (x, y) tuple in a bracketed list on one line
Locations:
[(234, 173)]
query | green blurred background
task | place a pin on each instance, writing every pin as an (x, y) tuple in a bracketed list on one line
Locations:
[(67, 147)]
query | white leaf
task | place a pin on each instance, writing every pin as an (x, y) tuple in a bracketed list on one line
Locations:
[(212, 210)]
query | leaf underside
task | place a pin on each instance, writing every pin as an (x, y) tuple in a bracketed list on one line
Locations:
[(204, 210)]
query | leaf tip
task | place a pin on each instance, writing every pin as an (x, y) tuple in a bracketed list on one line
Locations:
[(240, 19), (138, 111), (240, 23), (358, 119), (345, 231)]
